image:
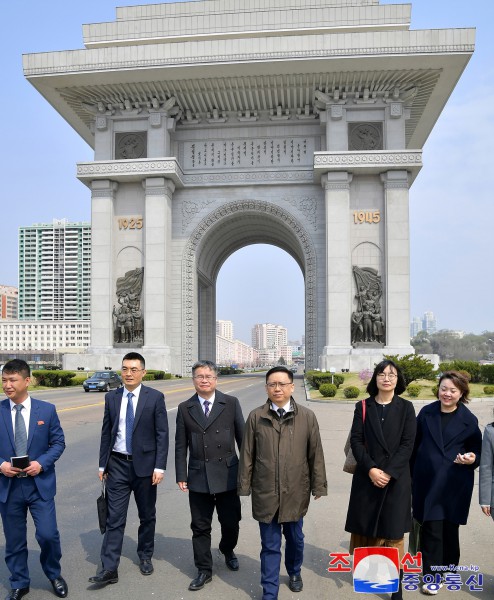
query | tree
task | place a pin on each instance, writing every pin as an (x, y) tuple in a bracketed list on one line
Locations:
[(413, 366), (281, 361)]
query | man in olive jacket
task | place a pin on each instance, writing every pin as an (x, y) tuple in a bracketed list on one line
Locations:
[(281, 463)]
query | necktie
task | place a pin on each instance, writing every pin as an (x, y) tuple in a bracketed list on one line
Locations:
[(206, 407), (129, 423), (20, 432), (281, 412)]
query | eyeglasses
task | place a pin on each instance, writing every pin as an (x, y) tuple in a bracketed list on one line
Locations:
[(133, 370), (272, 386), (205, 377), (390, 376)]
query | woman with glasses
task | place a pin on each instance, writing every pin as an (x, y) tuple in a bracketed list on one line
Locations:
[(447, 451), (382, 440)]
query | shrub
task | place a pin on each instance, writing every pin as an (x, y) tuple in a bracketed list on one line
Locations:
[(156, 375), (167, 375), (351, 392), (77, 380), (338, 380), (53, 378), (413, 390), (435, 389), (487, 373), (473, 368), (328, 390), (489, 390), (465, 374), (413, 366)]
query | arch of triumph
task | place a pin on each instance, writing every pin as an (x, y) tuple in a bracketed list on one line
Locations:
[(222, 123)]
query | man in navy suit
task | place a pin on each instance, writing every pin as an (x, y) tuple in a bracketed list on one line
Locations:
[(29, 427), (133, 453), (208, 425)]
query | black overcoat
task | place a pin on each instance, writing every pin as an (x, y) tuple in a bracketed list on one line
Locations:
[(210, 443), (442, 489), (373, 511)]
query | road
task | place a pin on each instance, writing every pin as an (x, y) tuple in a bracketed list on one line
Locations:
[(78, 488)]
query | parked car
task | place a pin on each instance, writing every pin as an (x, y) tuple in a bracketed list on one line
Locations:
[(102, 381)]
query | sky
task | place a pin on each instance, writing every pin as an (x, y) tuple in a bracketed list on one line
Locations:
[(451, 201)]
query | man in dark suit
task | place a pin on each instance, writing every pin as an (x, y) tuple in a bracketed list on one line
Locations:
[(29, 427), (133, 453), (208, 425)]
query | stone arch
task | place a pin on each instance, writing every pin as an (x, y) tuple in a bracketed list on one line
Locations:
[(243, 223)]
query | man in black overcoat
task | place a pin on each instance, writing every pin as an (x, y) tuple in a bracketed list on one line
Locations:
[(208, 425)]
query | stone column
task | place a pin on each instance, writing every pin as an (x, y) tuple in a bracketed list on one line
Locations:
[(397, 262), (338, 265), (157, 261), (102, 199)]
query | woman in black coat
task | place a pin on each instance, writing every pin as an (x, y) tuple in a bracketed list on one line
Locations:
[(447, 451), (380, 505)]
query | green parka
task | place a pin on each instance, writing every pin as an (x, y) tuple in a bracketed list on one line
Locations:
[(281, 463)]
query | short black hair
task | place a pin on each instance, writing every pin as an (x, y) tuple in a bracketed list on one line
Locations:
[(135, 356), (280, 369), (401, 385), (17, 365)]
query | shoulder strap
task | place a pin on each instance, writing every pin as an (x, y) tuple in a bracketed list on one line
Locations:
[(363, 410)]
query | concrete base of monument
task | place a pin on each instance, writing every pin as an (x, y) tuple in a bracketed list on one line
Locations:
[(356, 359), (95, 359)]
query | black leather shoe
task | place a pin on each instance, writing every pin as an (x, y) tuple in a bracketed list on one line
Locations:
[(146, 566), (60, 587), (231, 561), (199, 582), (295, 583), (16, 593), (105, 577)]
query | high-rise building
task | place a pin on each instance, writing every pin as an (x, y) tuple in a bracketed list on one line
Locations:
[(429, 322), (55, 271), (415, 326), (9, 298), (224, 329), (269, 336)]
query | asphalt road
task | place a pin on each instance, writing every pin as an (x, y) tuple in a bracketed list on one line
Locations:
[(78, 488)]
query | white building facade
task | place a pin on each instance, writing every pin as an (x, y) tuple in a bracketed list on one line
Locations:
[(216, 125), (55, 271), (59, 336)]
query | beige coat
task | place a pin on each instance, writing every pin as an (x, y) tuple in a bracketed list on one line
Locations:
[(281, 463)]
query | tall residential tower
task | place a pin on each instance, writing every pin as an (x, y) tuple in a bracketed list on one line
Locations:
[(55, 271)]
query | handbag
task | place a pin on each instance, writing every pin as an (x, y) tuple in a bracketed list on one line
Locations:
[(350, 464), (102, 507)]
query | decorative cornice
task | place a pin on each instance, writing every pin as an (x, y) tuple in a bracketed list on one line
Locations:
[(131, 170), (372, 162), (116, 62)]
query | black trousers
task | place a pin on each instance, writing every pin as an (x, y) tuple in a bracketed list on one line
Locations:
[(440, 544), (201, 510), (121, 482)]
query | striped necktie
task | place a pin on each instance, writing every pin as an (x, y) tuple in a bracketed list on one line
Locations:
[(20, 432)]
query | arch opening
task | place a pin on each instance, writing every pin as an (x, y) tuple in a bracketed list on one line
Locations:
[(215, 239)]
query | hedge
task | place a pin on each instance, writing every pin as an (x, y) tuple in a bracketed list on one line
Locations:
[(489, 390), (53, 378)]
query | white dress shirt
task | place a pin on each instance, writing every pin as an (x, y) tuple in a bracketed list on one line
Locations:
[(121, 442), (210, 400)]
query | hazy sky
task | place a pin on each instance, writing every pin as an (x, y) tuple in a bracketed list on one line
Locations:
[(451, 201)]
